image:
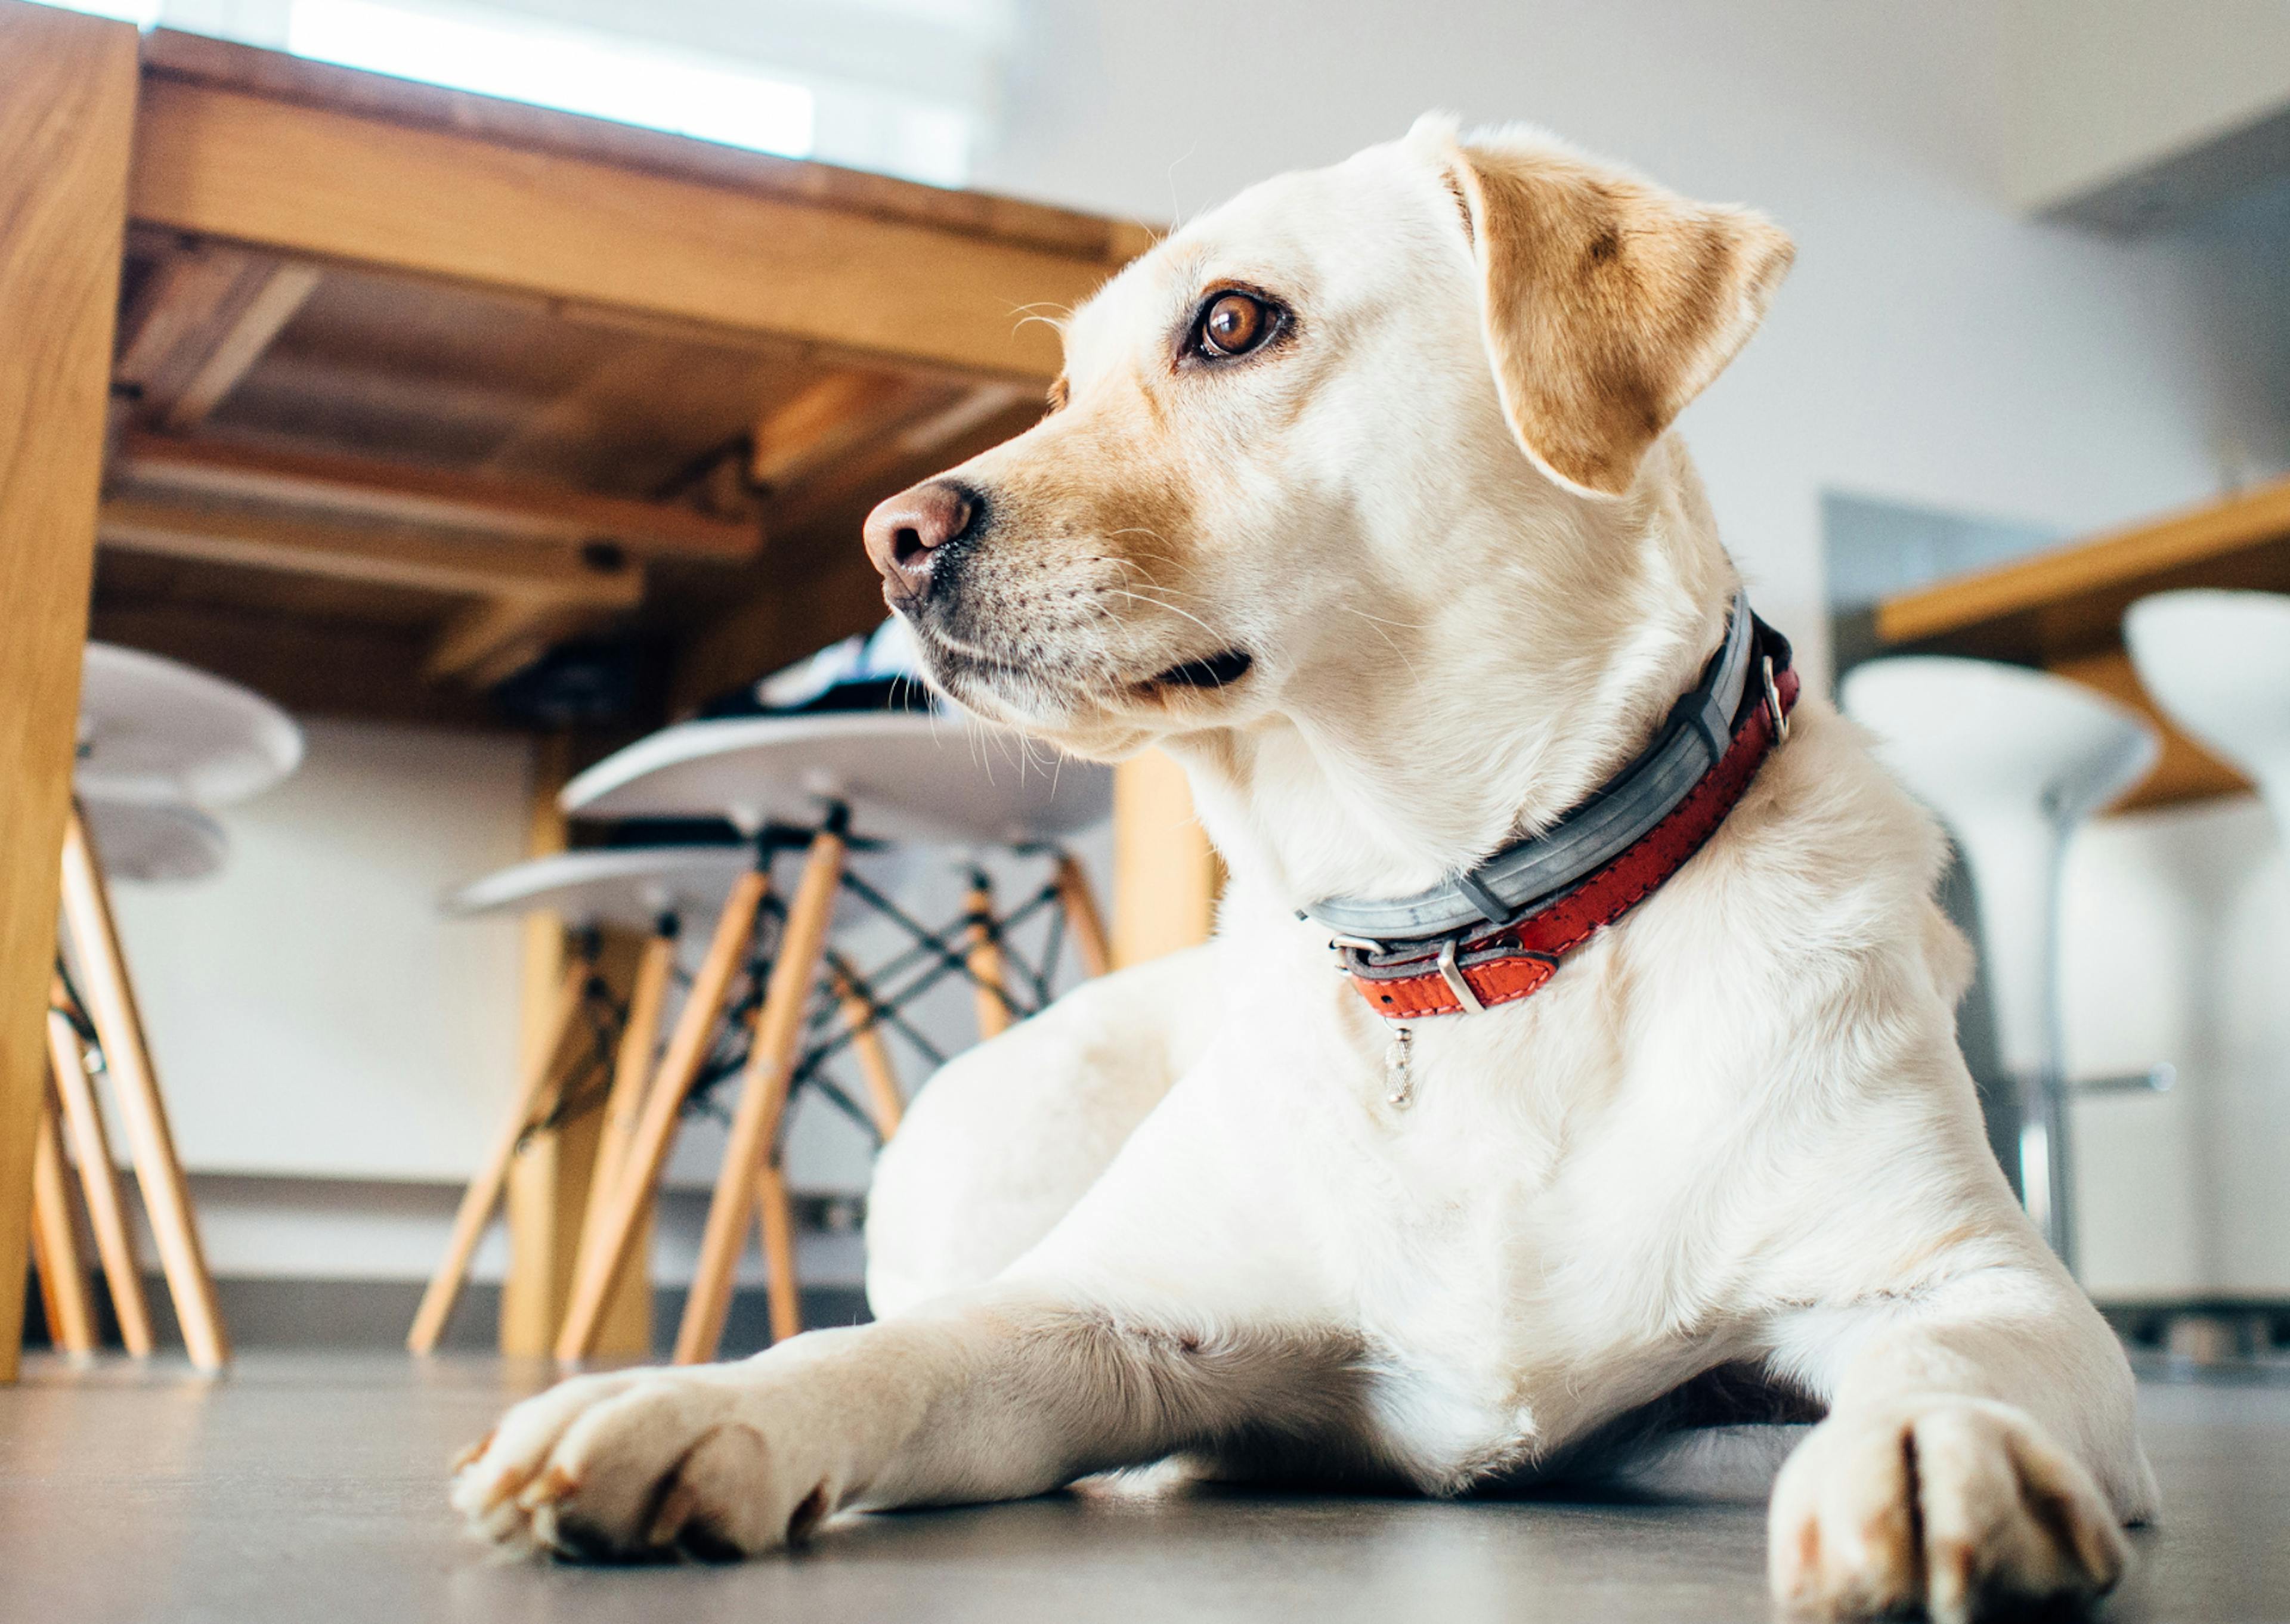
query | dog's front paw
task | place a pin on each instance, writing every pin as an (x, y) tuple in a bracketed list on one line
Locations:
[(650, 1463), (1958, 1506)]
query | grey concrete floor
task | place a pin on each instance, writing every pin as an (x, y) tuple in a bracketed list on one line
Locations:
[(310, 1486)]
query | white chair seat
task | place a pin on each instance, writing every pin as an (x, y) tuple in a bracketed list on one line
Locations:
[(905, 776), (154, 844), (2219, 662), (633, 886), (2011, 760), (630, 886), (156, 731)]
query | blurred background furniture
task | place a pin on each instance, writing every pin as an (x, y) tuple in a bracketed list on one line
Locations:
[(832, 785), (596, 1048), (2012, 761), (400, 404), (2062, 610), (2219, 664), (158, 740)]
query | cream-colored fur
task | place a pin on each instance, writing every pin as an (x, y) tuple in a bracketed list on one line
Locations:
[(1176, 1215)]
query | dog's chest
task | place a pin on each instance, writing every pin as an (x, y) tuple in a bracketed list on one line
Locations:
[(1510, 1256)]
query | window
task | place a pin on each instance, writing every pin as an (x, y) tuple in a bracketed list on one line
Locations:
[(521, 59)]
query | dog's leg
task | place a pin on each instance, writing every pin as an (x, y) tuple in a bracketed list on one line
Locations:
[(1007, 1392), (1979, 1451)]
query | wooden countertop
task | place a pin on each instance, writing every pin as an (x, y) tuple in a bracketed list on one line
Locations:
[(2062, 610)]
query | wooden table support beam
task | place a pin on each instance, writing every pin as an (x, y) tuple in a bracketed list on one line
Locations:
[(68, 88)]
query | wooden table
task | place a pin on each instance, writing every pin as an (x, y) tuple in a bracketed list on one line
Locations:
[(373, 395), (2064, 611)]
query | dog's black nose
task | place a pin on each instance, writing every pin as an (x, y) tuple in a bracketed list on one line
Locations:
[(904, 534)]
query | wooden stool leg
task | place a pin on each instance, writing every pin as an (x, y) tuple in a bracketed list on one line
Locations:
[(99, 1181), (985, 959), (484, 1191), (1083, 922), (639, 1172), (624, 1110), (884, 1094), (763, 1097), (63, 1280), (118, 1028), (779, 1249)]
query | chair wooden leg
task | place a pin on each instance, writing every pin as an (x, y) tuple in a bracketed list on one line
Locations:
[(110, 1001), (631, 1193), (779, 1249), (985, 960), (484, 1191), (1083, 922), (763, 1097), (884, 1095), (623, 1112), (99, 1181), (63, 1278)]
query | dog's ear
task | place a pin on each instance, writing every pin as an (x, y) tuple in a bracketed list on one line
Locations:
[(1607, 303)]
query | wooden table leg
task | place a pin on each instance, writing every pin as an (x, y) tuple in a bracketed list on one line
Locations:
[(67, 120), (110, 1000), (763, 1096), (63, 1277), (884, 1095), (639, 1175), (629, 1317), (485, 1186), (98, 1182), (1164, 872), (1083, 922), (985, 959)]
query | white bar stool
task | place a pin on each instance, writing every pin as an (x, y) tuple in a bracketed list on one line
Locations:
[(838, 779), (2012, 760), (648, 889), (2219, 662), (158, 740)]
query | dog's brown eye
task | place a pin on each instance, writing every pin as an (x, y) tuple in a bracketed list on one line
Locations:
[(1234, 324)]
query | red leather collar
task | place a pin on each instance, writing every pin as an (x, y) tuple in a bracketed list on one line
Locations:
[(1463, 973)]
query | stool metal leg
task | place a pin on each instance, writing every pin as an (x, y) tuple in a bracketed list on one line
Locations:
[(1083, 920), (484, 1191), (56, 1243), (110, 1001), (638, 1179), (763, 1097), (107, 1214)]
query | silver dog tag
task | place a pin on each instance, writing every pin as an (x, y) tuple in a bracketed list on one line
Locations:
[(1398, 1078)]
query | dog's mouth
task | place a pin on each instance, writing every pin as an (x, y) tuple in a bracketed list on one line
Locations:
[(1217, 671)]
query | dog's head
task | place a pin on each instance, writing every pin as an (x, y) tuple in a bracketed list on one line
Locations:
[(1308, 428)]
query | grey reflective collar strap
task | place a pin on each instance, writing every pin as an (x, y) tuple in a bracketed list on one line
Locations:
[(1692, 741)]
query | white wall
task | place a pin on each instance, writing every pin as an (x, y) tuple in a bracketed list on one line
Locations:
[(311, 1011), (2102, 89)]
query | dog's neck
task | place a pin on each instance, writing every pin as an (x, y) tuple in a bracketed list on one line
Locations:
[(1451, 728)]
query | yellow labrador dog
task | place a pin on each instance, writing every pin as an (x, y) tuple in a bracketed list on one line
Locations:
[(1640, 1079)]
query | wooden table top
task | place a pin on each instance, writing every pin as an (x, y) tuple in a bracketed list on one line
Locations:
[(414, 386), (2064, 610)]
